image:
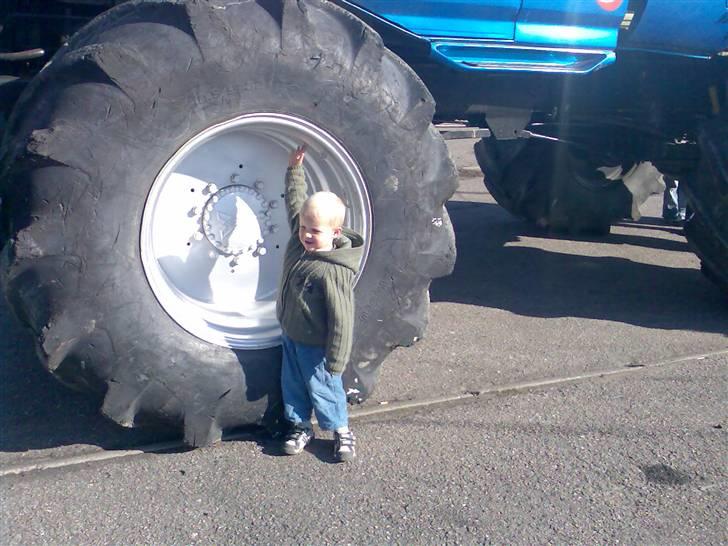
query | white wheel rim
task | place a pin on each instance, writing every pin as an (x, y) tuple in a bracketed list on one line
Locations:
[(213, 233)]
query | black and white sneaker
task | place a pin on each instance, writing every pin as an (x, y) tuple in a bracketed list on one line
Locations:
[(344, 446), (296, 439)]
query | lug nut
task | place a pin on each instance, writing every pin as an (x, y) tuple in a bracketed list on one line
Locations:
[(258, 184), (235, 178), (210, 188), (260, 241), (273, 228), (273, 204), (262, 251), (194, 211), (197, 236)]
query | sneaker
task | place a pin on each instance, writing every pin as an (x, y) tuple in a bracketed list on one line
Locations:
[(676, 220), (344, 446), (296, 439)]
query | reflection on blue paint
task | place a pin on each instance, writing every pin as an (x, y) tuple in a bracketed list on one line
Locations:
[(492, 19), (491, 56), (575, 23), (566, 35), (456, 27), (552, 35)]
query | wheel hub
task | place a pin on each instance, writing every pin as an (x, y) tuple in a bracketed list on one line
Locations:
[(234, 219)]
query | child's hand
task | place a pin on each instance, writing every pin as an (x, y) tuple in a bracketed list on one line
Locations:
[(297, 155)]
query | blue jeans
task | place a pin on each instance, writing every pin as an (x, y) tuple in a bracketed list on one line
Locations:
[(307, 386)]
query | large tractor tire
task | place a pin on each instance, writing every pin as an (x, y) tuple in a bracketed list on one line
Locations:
[(560, 189), (707, 189), (143, 170)]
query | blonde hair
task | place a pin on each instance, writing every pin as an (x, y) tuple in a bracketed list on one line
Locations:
[(325, 207)]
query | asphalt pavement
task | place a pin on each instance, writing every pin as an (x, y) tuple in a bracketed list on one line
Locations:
[(567, 456), (636, 460)]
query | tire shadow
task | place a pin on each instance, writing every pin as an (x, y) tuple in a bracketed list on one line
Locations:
[(493, 269), (37, 412)]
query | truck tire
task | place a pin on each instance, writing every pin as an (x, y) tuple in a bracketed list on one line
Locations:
[(552, 187), (706, 229), (143, 171)]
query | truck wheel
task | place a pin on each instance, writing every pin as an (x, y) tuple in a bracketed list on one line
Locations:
[(707, 190), (558, 189), (144, 171)]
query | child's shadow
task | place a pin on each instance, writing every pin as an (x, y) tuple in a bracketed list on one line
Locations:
[(321, 448)]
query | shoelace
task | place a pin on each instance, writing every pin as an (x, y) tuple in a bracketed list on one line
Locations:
[(295, 434)]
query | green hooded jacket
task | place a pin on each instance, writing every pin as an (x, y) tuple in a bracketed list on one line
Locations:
[(316, 296)]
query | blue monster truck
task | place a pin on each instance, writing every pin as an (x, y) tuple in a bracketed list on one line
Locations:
[(143, 165)]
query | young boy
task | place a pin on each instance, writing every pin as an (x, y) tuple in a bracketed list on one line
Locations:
[(316, 311)]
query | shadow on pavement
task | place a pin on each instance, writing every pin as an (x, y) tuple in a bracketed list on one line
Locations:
[(37, 412), (540, 283)]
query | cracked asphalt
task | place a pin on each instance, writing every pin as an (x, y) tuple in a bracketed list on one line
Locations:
[(635, 458)]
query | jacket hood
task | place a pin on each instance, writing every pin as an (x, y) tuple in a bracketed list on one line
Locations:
[(348, 250)]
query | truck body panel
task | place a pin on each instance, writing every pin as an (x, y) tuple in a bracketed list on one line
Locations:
[(499, 27), (475, 19), (681, 28)]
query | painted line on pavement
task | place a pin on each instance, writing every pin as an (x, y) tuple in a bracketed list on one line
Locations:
[(382, 408)]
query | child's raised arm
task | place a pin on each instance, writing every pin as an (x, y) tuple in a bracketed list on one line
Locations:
[(295, 184)]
